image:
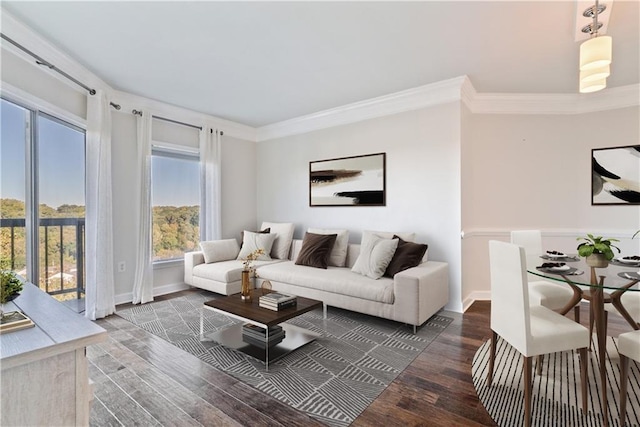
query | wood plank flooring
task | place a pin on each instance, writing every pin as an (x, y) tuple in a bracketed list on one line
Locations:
[(141, 380)]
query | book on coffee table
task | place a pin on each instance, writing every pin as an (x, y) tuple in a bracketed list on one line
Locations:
[(277, 305), (277, 297)]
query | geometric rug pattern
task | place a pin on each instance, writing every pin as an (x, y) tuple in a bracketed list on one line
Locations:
[(556, 398), (332, 379)]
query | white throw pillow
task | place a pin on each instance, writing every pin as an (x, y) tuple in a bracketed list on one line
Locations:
[(375, 255), (219, 250), (407, 237), (284, 237), (338, 255), (253, 241)]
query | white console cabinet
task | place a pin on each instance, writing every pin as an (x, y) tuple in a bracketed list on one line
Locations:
[(44, 374)]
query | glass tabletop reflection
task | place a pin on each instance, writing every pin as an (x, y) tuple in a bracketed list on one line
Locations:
[(617, 275)]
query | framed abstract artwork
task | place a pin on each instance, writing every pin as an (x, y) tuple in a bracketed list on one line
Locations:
[(615, 175), (348, 181)]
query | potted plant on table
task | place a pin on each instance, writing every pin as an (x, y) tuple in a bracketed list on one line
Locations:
[(10, 287), (597, 250)]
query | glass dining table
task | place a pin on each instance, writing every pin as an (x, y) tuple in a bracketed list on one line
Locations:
[(599, 286)]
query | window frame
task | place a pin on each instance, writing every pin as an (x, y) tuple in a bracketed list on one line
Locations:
[(178, 152)]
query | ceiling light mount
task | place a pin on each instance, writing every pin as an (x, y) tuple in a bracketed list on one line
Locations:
[(595, 54), (590, 11)]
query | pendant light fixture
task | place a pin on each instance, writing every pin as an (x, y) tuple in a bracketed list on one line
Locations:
[(595, 54)]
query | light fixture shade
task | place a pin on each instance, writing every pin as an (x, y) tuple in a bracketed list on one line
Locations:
[(595, 74), (595, 53), (592, 86)]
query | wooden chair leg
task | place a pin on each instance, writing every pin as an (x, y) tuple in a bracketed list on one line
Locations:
[(492, 357), (576, 313), (582, 353), (624, 379), (526, 366)]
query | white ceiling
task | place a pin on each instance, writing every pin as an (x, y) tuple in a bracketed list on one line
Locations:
[(259, 63)]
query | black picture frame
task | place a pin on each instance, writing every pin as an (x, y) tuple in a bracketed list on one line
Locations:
[(348, 181), (615, 175)]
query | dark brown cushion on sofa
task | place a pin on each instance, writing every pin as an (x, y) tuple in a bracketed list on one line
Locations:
[(316, 249), (407, 255)]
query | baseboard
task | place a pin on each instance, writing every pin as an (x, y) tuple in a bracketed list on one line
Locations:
[(475, 296), (160, 290)]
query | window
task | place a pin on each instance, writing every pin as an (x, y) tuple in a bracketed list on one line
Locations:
[(43, 200), (175, 201)]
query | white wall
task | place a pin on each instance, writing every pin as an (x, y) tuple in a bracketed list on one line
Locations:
[(423, 180), (239, 181), (534, 171)]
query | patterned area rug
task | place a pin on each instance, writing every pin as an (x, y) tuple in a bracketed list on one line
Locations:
[(333, 379), (556, 399)]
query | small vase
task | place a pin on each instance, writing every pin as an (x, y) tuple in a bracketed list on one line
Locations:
[(246, 286), (597, 261)]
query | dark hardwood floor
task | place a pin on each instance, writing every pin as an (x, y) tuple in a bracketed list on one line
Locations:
[(141, 379)]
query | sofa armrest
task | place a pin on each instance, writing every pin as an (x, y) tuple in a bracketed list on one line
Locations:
[(428, 284), (191, 259)]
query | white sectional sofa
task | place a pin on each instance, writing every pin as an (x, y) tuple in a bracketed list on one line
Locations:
[(412, 296)]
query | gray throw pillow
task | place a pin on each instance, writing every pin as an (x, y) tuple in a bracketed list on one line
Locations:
[(375, 255)]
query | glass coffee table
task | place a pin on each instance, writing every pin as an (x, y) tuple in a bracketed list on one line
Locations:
[(251, 313)]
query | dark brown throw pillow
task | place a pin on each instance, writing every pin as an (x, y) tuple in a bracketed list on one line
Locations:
[(407, 255), (316, 250)]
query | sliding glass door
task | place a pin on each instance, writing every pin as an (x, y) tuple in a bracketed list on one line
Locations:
[(43, 200)]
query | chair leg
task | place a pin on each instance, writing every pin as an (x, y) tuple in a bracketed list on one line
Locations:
[(591, 321), (526, 366), (492, 357), (582, 353), (624, 379), (576, 313)]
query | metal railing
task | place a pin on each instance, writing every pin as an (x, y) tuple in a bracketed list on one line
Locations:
[(49, 226)]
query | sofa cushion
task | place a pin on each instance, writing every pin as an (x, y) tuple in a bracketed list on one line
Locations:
[(338, 280), (219, 250), (339, 251), (407, 237), (224, 271), (316, 249), (284, 236), (375, 255), (254, 241), (407, 255)]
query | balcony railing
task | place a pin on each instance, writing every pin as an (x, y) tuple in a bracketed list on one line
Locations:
[(50, 229)]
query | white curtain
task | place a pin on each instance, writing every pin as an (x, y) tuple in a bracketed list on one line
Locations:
[(210, 212), (99, 295), (143, 281)]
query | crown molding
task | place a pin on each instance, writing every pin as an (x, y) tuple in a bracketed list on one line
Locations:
[(459, 88), (411, 99), (566, 103)]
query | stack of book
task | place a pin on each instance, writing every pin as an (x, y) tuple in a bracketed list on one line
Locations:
[(277, 301), (257, 336)]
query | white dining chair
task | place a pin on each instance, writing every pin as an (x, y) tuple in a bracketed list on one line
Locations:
[(630, 300), (554, 296), (628, 348), (531, 329)]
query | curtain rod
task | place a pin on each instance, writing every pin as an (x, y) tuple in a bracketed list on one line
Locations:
[(177, 122), (41, 61)]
